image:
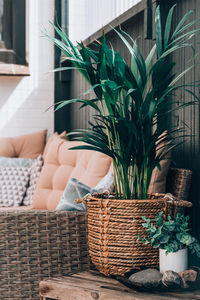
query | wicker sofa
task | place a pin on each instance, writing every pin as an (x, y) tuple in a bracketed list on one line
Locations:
[(37, 244)]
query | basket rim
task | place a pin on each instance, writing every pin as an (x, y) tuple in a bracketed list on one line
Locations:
[(158, 198)]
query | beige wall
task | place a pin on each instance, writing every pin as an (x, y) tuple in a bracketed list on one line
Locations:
[(23, 100)]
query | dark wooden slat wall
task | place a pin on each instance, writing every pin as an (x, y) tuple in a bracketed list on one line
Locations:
[(188, 154)]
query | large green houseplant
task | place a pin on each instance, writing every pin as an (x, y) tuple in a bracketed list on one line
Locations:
[(128, 104), (129, 100)]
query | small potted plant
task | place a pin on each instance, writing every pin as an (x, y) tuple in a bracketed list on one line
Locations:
[(129, 101), (172, 237)]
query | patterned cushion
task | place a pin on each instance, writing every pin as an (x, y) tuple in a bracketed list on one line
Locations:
[(13, 184), (16, 162), (34, 176)]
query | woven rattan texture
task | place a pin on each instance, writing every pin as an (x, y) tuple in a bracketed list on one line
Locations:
[(179, 182), (39, 244), (113, 229)]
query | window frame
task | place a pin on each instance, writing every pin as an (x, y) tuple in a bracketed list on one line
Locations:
[(13, 44)]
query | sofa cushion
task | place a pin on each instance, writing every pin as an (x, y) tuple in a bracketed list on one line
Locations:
[(159, 177), (61, 164), (27, 146)]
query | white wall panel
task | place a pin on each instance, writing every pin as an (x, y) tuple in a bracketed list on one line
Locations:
[(87, 16), (24, 100)]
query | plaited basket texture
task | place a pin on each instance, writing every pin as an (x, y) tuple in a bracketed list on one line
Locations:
[(39, 244), (179, 182), (113, 229)]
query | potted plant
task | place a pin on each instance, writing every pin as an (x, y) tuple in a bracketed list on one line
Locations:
[(128, 104), (173, 239)]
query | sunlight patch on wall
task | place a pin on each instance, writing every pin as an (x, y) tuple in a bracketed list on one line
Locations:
[(36, 88), (16, 99)]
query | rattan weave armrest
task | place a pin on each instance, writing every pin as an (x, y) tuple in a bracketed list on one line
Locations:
[(37, 244)]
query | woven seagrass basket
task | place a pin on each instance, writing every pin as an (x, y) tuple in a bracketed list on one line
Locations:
[(113, 229)]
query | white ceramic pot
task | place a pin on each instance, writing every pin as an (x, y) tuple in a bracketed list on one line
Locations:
[(175, 261)]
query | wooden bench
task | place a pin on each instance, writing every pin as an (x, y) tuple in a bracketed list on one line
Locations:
[(90, 285)]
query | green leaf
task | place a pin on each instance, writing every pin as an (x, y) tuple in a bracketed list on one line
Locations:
[(119, 68), (180, 76), (169, 226), (181, 41), (66, 69), (158, 31), (103, 69), (92, 88), (150, 57), (181, 23), (85, 53), (83, 101), (134, 58), (185, 238), (156, 245), (134, 66), (64, 37), (164, 239), (168, 26)]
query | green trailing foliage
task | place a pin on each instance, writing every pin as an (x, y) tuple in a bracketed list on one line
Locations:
[(129, 99), (170, 234)]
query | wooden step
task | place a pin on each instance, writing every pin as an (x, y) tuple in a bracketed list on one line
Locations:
[(91, 285)]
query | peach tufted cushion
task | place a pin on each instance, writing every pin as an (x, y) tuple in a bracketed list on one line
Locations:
[(27, 146), (60, 164)]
